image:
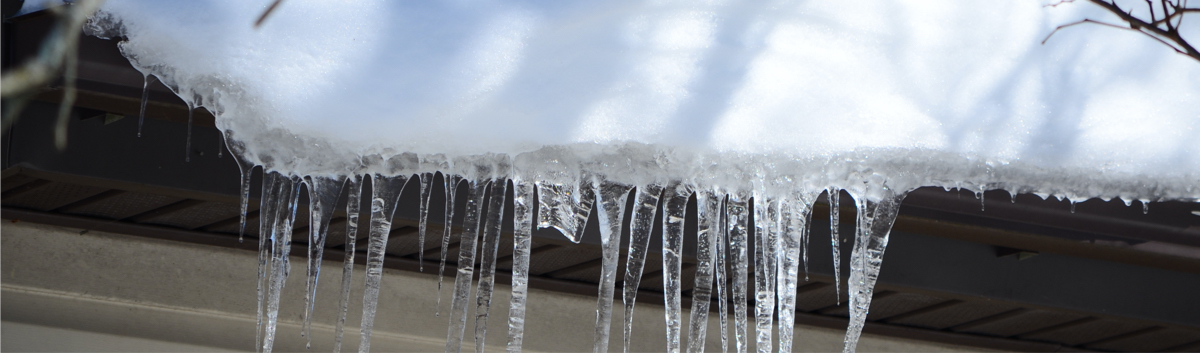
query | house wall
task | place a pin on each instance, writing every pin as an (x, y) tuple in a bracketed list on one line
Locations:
[(67, 291)]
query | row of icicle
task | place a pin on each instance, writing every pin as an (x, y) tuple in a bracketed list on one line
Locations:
[(780, 229)]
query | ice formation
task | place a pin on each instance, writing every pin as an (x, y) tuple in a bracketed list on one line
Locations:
[(753, 108)]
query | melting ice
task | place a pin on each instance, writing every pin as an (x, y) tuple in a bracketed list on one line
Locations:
[(755, 109)]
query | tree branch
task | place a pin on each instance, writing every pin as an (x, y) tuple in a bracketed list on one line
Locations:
[(1150, 29)]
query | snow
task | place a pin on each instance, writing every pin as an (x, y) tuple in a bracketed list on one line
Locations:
[(331, 81)]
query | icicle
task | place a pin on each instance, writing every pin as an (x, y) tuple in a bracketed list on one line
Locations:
[(554, 208), (708, 225), (423, 218), (353, 200), (737, 208), (266, 218), (565, 207), (1072, 205), (875, 224), (281, 245), (523, 198), (673, 222), (385, 193), (982, 205), (187, 157), (1145, 206), (835, 195), (323, 193), (611, 198), (466, 260), (220, 142), (491, 242), (793, 222), (585, 198), (804, 231), (639, 239), (145, 98), (247, 169), (451, 189), (722, 233), (765, 211)]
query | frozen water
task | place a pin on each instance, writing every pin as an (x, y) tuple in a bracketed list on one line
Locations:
[(353, 203), (491, 243), (323, 193), (468, 240), (758, 106), (765, 212), (523, 199), (645, 205), (675, 203), (709, 219), (611, 198), (738, 209), (874, 225), (835, 242), (385, 192), (720, 276)]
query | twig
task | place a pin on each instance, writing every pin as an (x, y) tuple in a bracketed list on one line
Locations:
[(266, 13), (1058, 3), (1153, 31), (1086, 20), (45, 66), (1169, 36)]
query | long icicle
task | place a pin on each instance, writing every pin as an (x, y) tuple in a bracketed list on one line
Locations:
[(491, 243), (639, 239), (323, 192), (145, 99), (451, 191), (738, 210), (835, 194), (281, 245), (722, 234), (805, 232), (353, 202), (707, 228), (266, 217), (764, 270), (468, 241), (673, 222), (523, 207), (247, 169), (611, 198), (385, 193), (875, 226), (187, 145), (423, 219), (793, 222)]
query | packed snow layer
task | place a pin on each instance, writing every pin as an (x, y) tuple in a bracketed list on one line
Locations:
[(939, 88)]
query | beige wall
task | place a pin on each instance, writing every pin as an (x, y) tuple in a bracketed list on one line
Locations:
[(63, 291)]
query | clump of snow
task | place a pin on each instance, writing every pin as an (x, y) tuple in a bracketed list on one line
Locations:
[(944, 90)]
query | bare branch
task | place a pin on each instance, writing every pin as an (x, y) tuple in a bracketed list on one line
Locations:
[(1079, 23), (266, 13), (46, 65), (1060, 2), (1153, 31)]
